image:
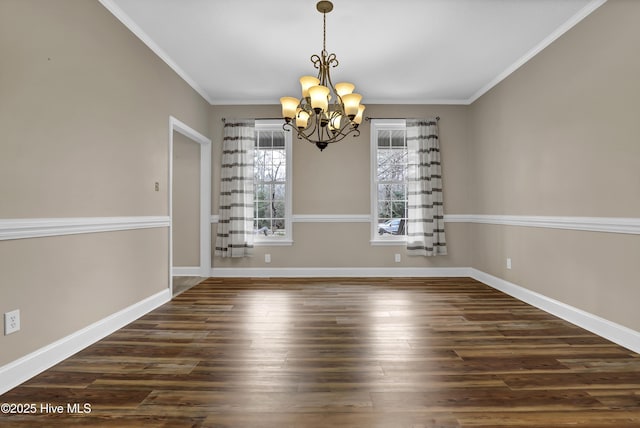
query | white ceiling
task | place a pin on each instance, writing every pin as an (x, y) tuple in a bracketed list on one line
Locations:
[(400, 52)]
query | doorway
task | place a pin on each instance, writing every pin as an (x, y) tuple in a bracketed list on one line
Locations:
[(189, 202)]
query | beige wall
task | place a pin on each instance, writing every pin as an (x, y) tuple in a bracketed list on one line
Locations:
[(64, 283), (84, 114), (337, 181), (186, 201), (559, 137)]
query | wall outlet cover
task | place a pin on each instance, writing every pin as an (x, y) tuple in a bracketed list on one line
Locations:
[(11, 322)]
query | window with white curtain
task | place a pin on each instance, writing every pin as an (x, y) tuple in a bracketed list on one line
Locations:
[(389, 157), (272, 184)]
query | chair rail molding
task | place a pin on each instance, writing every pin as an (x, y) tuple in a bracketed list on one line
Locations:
[(40, 227), (626, 225)]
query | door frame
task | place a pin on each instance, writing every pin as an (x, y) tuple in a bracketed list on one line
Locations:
[(176, 125)]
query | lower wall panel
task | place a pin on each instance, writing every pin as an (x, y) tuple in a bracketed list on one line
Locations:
[(63, 284), (347, 245), (592, 271)]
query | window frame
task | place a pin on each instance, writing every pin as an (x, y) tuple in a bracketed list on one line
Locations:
[(261, 240), (376, 126)]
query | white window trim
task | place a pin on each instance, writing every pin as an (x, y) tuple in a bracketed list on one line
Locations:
[(287, 240), (377, 124)]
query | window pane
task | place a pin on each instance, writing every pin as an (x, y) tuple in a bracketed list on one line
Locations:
[(384, 192), (398, 191), (278, 209), (263, 139), (279, 166), (278, 139), (270, 169), (384, 138), (390, 189), (259, 191), (259, 165), (392, 164), (397, 138), (384, 210), (278, 225), (398, 209), (279, 192), (262, 209)]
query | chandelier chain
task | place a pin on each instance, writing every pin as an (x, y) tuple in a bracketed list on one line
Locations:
[(324, 31)]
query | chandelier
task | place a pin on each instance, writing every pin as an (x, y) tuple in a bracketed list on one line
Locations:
[(315, 117)]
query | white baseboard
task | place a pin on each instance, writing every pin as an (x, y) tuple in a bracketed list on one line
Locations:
[(23, 369), (325, 272), (614, 332), (186, 271)]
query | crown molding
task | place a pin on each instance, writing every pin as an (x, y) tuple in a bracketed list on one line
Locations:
[(569, 24), (116, 11)]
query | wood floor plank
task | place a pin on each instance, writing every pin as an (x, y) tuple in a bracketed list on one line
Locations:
[(344, 352)]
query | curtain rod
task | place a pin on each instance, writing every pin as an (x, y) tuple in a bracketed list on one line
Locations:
[(368, 119), (224, 119)]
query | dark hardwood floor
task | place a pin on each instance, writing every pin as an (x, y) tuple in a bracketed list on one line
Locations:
[(387, 353)]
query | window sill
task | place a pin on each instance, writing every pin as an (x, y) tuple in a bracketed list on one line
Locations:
[(273, 243), (388, 242)]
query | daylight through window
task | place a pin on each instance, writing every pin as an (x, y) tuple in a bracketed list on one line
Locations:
[(272, 207), (389, 192)]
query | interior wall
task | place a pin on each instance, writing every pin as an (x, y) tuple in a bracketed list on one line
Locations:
[(337, 182), (559, 137), (84, 113), (186, 201)]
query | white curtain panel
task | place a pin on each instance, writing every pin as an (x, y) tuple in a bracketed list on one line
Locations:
[(425, 217), (235, 227)]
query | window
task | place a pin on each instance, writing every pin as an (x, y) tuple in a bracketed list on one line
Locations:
[(272, 184), (389, 158)]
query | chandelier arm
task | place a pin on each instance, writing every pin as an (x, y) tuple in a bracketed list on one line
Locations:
[(338, 101), (316, 61), (340, 135), (309, 131)]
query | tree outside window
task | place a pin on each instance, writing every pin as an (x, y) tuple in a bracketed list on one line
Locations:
[(389, 192), (271, 188)]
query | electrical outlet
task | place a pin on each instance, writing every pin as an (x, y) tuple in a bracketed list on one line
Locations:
[(11, 322), (156, 186), (267, 258), (398, 258), (508, 262)]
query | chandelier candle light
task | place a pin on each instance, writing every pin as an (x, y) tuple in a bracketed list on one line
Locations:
[(314, 117)]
